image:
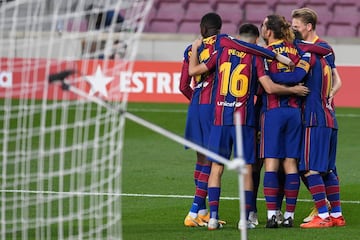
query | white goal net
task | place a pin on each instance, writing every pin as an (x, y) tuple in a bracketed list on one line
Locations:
[(60, 164)]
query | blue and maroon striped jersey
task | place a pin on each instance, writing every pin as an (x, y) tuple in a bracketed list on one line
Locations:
[(236, 83), (203, 84), (271, 101), (317, 75), (185, 85)]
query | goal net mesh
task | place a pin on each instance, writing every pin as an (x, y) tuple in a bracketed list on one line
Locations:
[(60, 167)]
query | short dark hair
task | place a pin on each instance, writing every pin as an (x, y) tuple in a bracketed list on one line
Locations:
[(211, 21), (249, 29)]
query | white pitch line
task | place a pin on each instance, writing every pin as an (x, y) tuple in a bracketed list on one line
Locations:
[(223, 198), (138, 195), (157, 110)]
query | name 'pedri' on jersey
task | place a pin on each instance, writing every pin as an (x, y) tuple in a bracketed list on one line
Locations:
[(236, 83)]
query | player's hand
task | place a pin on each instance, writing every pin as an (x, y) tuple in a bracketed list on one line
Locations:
[(300, 90), (285, 60), (196, 44), (330, 99), (291, 65)]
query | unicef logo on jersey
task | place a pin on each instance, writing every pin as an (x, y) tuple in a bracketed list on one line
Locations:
[(230, 104)]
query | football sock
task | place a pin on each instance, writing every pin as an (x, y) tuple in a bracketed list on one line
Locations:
[(256, 181), (271, 189), (292, 185), (214, 196), (198, 167), (281, 193), (317, 190), (201, 189), (249, 202), (333, 192)]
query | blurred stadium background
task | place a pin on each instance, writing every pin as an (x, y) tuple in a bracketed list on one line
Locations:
[(173, 24)]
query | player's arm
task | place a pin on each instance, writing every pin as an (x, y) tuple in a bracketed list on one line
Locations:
[(185, 78), (296, 76), (273, 88), (320, 49), (185, 81), (254, 49), (337, 83), (196, 68)]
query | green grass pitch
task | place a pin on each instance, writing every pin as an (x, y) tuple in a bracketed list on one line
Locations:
[(157, 175), (157, 184)]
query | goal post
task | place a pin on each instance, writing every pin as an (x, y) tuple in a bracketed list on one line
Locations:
[(61, 162)]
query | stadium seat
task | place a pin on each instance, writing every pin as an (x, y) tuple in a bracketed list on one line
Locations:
[(229, 11), (321, 29), (329, 3), (285, 9), (162, 26), (296, 3), (209, 2), (189, 26), (150, 17), (256, 11), (339, 29), (322, 10), (347, 13), (194, 10), (170, 10), (345, 2), (229, 28)]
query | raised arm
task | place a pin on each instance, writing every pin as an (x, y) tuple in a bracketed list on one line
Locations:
[(254, 49), (320, 49), (196, 68)]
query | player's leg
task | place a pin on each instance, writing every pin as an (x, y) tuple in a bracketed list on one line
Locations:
[(249, 150), (256, 171), (281, 194), (220, 142), (193, 133), (200, 161), (315, 161), (292, 141), (271, 190), (331, 181), (198, 214), (214, 190), (271, 150), (206, 121), (291, 190)]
